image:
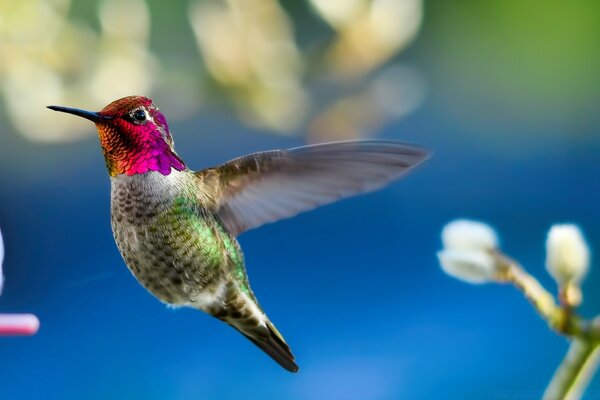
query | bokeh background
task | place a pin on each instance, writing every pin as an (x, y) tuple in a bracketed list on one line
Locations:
[(505, 92)]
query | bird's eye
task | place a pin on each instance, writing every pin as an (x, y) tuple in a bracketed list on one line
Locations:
[(139, 115)]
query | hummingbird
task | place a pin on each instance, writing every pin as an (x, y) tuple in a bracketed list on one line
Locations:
[(176, 228)]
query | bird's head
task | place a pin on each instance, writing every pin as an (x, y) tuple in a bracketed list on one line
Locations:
[(134, 135)]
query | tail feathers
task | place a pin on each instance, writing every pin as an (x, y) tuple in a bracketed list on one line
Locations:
[(274, 345), (242, 312)]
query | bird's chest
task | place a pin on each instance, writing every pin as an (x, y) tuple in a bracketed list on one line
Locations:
[(148, 232), (137, 206)]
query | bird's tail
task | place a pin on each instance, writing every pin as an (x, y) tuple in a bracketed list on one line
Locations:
[(271, 342), (240, 310)]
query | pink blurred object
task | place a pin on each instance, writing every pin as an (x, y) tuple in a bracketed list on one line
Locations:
[(15, 324), (18, 324), (1, 260)]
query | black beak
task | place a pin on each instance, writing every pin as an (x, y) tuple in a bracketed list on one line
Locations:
[(92, 116)]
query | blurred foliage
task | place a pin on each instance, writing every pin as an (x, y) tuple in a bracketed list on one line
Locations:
[(341, 81), (528, 62), (49, 58)]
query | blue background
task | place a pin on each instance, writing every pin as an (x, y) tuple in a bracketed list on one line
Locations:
[(354, 287)]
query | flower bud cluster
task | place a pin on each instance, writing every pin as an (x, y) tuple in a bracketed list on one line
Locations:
[(468, 251)]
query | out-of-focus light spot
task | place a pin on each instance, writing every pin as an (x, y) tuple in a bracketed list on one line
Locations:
[(399, 90), (281, 110), (249, 48), (49, 59), (27, 91), (219, 42), (350, 117), (383, 29), (394, 93), (129, 18), (339, 13), (125, 66), (120, 75), (395, 22), (30, 23)]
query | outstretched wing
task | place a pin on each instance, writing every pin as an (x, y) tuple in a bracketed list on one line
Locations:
[(268, 186)]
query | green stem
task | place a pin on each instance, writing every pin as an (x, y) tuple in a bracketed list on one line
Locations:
[(575, 372), (581, 362), (540, 298), (561, 319)]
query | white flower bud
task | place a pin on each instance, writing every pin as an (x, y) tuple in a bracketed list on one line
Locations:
[(567, 254), (467, 253), (472, 266), (464, 234)]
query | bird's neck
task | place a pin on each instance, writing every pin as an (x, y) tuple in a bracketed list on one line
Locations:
[(152, 186), (139, 154)]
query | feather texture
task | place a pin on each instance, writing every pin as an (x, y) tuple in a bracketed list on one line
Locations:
[(268, 186)]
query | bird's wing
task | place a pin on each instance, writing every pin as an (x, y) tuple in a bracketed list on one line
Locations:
[(268, 186)]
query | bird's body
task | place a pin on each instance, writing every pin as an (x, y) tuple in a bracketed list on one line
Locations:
[(179, 250), (171, 243), (176, 229), (174, 245)]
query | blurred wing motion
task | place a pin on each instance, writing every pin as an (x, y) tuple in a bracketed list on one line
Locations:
[(268, 186)]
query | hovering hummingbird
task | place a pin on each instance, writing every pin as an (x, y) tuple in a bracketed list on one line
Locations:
[(176, 228)]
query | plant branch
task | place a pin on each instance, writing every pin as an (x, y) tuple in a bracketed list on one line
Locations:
[(560, 318), (581, 362), (575, 372)]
